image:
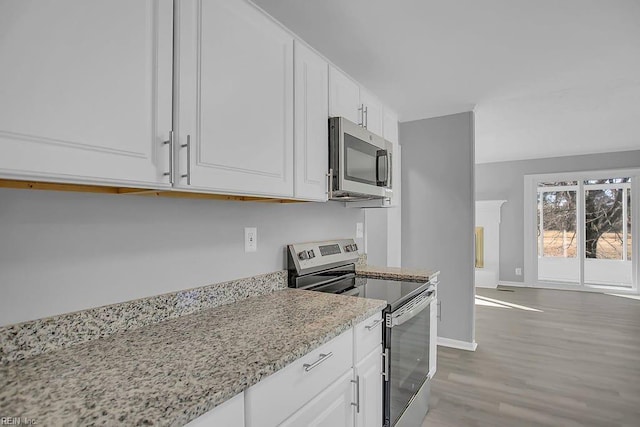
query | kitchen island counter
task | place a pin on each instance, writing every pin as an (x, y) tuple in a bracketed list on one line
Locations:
[(395, 273)]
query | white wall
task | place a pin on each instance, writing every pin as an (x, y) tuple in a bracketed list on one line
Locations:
[(61, 252)]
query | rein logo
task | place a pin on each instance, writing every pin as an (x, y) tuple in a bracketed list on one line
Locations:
[(17, 421)]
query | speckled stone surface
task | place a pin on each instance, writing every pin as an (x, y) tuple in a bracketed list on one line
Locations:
[(171, 372), (395, 273), (27, 339), (362, 260)]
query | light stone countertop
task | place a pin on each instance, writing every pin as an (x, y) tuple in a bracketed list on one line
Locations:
[(395, 273), (170, 373)]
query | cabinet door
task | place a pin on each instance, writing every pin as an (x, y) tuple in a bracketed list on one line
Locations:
[(390, 126), (85, 90), (344, 97), (311, 139), (229, 414), (331, 408), (368, 372), (433, 336), (373, 113), (235, 99)]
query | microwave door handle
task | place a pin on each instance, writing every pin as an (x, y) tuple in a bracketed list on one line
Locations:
[(382, 153), (389, 170)]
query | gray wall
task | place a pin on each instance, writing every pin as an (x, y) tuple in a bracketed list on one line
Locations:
[(438, 213), (61, 252), (505, 181)]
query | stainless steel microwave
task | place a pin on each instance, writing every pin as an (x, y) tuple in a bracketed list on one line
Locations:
[(359, 162)]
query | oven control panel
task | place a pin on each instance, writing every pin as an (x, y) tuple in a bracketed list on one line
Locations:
[(312, 255)]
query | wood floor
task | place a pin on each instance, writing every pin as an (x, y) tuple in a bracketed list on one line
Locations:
[(574, 363)]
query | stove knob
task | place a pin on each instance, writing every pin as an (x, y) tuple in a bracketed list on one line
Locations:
[(354, 247), (347, 248), (311, 254), (303, 255)]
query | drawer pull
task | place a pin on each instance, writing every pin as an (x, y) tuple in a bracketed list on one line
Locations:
[(323, 357), (374, 324)]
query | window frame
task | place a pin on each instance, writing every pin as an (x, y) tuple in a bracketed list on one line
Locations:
[(531, 225)]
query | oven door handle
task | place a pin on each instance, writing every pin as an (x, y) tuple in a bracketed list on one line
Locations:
[(403, 316)]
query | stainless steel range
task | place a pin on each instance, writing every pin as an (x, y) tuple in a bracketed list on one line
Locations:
[(329, 266)]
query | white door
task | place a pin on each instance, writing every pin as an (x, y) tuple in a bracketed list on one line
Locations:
[(368, 370), (85, 90), (235, 99), (373, 112), (344, 97), (311, 139), (331, 408)]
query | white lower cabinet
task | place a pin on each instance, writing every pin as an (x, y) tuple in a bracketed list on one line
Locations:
[(433, 334), (333, 407), (282, 394), (338, 384), (229, 414), (369, 380)]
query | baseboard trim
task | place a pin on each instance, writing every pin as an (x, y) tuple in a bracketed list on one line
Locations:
[(487, 286), (461, 345), (516, 284)]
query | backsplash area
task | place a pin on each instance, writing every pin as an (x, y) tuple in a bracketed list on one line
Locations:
[(40, 336), (65, 252)]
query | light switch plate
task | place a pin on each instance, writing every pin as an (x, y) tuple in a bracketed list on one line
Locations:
[(359, 230), (250, 239)]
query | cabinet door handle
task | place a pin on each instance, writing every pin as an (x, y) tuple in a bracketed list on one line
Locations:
[(385, 366), (374, 324), (361, 111), (357, 383), (439, 316), (169, 142), (366, 117), (188, 147), (323, 357), (330, 183)]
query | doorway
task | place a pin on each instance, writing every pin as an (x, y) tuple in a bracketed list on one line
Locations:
[(580, 228)]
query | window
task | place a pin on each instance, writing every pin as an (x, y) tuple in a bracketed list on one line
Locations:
[(584, 228)]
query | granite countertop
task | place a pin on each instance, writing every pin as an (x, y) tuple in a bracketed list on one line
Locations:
[(395, 273), (172, 372)]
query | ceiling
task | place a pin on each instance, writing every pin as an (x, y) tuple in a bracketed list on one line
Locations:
[(545, 77)]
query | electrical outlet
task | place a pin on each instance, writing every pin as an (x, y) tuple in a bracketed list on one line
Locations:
[(359, 230), (518, 271), (250, 239)]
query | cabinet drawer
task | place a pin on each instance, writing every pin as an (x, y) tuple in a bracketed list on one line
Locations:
[(368, 335), (275, 398)]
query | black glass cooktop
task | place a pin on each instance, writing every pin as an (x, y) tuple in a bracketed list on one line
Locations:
[(396, 293)]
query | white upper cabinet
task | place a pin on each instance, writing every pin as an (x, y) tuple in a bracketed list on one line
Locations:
[(347, 99), (344, 97), (373, 115), (390, 126), (311, 127), (85, 91), (234, 127)]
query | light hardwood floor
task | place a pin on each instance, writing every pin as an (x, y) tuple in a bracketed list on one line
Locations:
[(574, 363)]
